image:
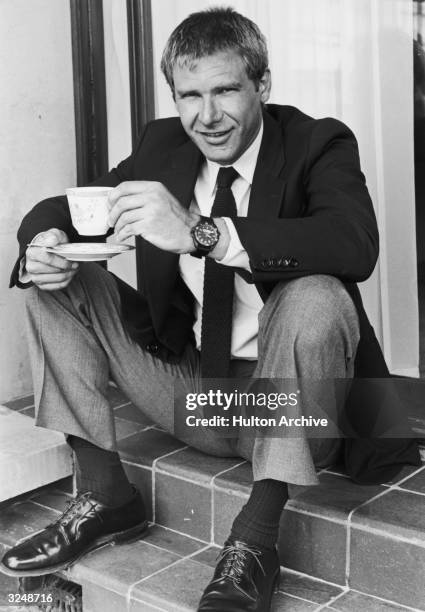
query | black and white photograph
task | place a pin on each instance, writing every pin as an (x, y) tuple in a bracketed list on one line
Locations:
[(212, 322)]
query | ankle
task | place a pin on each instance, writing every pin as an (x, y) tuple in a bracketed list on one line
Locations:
[(109, 493), (261, 540), (257, 524)]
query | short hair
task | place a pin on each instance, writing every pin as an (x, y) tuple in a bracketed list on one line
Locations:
[(210, 31)]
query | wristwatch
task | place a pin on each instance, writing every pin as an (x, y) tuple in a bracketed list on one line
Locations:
[(205, 235)]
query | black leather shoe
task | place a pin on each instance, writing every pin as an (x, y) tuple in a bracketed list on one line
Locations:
[(244, 580), (86, 524)]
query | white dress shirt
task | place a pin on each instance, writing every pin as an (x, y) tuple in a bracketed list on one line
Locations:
[(247, 302)]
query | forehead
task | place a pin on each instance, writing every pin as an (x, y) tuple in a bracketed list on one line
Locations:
[(211, 69)]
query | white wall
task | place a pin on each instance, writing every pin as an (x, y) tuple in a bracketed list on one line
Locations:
[(37, 148)]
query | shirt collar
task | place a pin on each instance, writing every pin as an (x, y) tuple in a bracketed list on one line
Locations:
[(244, 165)]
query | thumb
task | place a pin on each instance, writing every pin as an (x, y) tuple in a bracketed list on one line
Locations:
[(51, 238)]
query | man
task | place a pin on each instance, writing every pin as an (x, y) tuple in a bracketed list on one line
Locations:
[(255, 225)]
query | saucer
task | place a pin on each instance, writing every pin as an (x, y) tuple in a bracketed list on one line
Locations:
[(88, 251)]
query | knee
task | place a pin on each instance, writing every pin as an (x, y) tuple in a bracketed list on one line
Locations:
[(31, 298), (310, 311), (38, 304), (88, 275)]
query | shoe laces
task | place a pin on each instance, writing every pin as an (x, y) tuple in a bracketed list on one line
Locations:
[(71, 509), (236, 557)]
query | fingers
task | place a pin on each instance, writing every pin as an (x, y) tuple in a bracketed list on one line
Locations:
[(47, 270), (53, 281), (59, 277), (54, 286), (126, 203), (130, 188), (49, 266), (38, 260), (51, 237), (129, 230), (129, 216)]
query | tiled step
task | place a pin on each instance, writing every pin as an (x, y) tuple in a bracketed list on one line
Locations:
[(164, 572), (344, 547)]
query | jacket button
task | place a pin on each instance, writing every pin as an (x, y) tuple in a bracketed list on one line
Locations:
[(283, 261), (294, 262), (152, 348)]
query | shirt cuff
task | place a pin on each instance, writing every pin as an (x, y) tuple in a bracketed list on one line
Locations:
[(235, 256)]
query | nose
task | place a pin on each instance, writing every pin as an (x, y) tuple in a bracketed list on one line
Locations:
[(209, 112)]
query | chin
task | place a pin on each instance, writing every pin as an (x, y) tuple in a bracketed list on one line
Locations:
[(223, 156), (219, 157)]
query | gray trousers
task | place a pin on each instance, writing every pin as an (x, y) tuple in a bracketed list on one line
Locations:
[(308, 329)]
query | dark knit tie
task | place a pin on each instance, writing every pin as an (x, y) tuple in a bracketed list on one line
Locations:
[(217, 309)]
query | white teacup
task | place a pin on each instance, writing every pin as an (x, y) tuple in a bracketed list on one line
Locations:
[(89, 209)]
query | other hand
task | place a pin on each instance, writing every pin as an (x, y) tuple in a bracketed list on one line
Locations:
[(148, 209), (47, 270)]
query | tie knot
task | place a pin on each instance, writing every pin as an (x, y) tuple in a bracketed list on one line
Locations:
[(226, 176)]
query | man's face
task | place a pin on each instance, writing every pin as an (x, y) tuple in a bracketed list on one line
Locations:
[(219, 106)]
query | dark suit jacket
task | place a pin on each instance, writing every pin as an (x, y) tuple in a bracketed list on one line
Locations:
[(309, 213)]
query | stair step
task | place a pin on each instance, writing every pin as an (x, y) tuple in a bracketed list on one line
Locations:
[(29, 457), (353, 547), (167, 571)]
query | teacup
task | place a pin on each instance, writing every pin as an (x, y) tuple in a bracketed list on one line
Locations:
[(89, 209)]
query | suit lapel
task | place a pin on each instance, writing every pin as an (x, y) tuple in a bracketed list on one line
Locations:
[(179, 174), (267, 186)]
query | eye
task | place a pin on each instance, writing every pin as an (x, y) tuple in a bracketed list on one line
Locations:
[(189, 94)]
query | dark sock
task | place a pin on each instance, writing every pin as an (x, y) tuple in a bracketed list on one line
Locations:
[(101, 472), (257, 523)]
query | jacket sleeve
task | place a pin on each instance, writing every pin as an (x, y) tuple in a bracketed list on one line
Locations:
[(336, 232), (54, 212)]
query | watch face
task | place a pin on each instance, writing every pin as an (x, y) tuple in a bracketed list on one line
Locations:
[(206, 234)]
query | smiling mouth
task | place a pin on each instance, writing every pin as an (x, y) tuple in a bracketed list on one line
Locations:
[(217, 135)]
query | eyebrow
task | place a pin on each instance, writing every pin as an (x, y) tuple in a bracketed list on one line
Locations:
[(230, 85)]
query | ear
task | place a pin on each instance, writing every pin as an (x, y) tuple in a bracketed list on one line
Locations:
[(265, 85)]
